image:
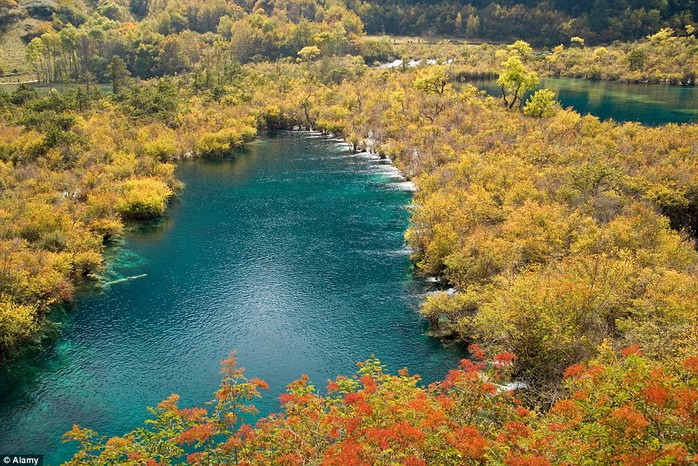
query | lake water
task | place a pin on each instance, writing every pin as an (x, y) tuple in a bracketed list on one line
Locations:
[(290, 252), (650, 104)]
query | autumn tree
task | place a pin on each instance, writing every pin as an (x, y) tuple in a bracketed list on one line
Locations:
[(618, 409), (515, 81), (541, 104)]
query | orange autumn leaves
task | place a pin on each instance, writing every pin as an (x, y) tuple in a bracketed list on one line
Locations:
[(617, 409), (629, 410)]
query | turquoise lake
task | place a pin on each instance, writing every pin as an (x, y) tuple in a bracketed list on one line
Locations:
[(290, 252), (649, 104)]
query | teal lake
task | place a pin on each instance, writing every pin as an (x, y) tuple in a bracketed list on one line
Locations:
[(290, 252), (649, 104)]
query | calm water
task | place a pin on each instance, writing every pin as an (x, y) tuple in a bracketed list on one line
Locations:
[(650, 104), (290, 252)]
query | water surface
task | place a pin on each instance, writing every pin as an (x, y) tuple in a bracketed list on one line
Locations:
[(291, 252), (650, 104)]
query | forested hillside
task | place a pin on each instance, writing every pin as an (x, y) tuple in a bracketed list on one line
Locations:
[(161, 38), (257, 28), (542, 22)]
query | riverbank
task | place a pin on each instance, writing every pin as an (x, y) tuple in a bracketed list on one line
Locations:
[(289, 250), (101, 162), (647, 104), (662, 58)]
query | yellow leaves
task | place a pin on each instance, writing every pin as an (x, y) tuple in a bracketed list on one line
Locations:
[(553, 310), (218, 129), (550, 225), (661, 36), (43, 223), (666, 195), (541, 104), (541, 231), (143, 198), (521, 48), (432, 80), (443, 240), (17, 323), (564, 121), (7, 178), (223, 140), (447, 311), (107, 130), (577, 41), (396, 100), (159, 142), (270, 116), (123, 165), (480, 256), (479, 206), (600, 52), (309, 53), (664, 58), (18, 144), (107, 227), (34, 276), (218, 142), (436, 207)]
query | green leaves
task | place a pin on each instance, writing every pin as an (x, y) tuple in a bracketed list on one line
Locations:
[(541, 104), (516, 80)]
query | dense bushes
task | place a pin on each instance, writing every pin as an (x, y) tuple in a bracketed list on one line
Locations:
[(511, 208), (663, 57), (667, 57), (71, 177), (143, 199), (17, 322)]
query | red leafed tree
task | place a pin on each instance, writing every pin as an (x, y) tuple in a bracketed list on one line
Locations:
[(618, 409)]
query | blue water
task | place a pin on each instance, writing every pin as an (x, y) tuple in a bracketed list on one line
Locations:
[(649, 104), (290, 252)]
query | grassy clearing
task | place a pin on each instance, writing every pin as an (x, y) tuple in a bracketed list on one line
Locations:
[(13, 52)]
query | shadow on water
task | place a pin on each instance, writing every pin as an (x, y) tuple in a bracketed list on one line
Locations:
[(43, 355), (38, 357)]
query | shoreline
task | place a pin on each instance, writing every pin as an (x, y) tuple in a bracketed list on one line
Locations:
[(50, 328)]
